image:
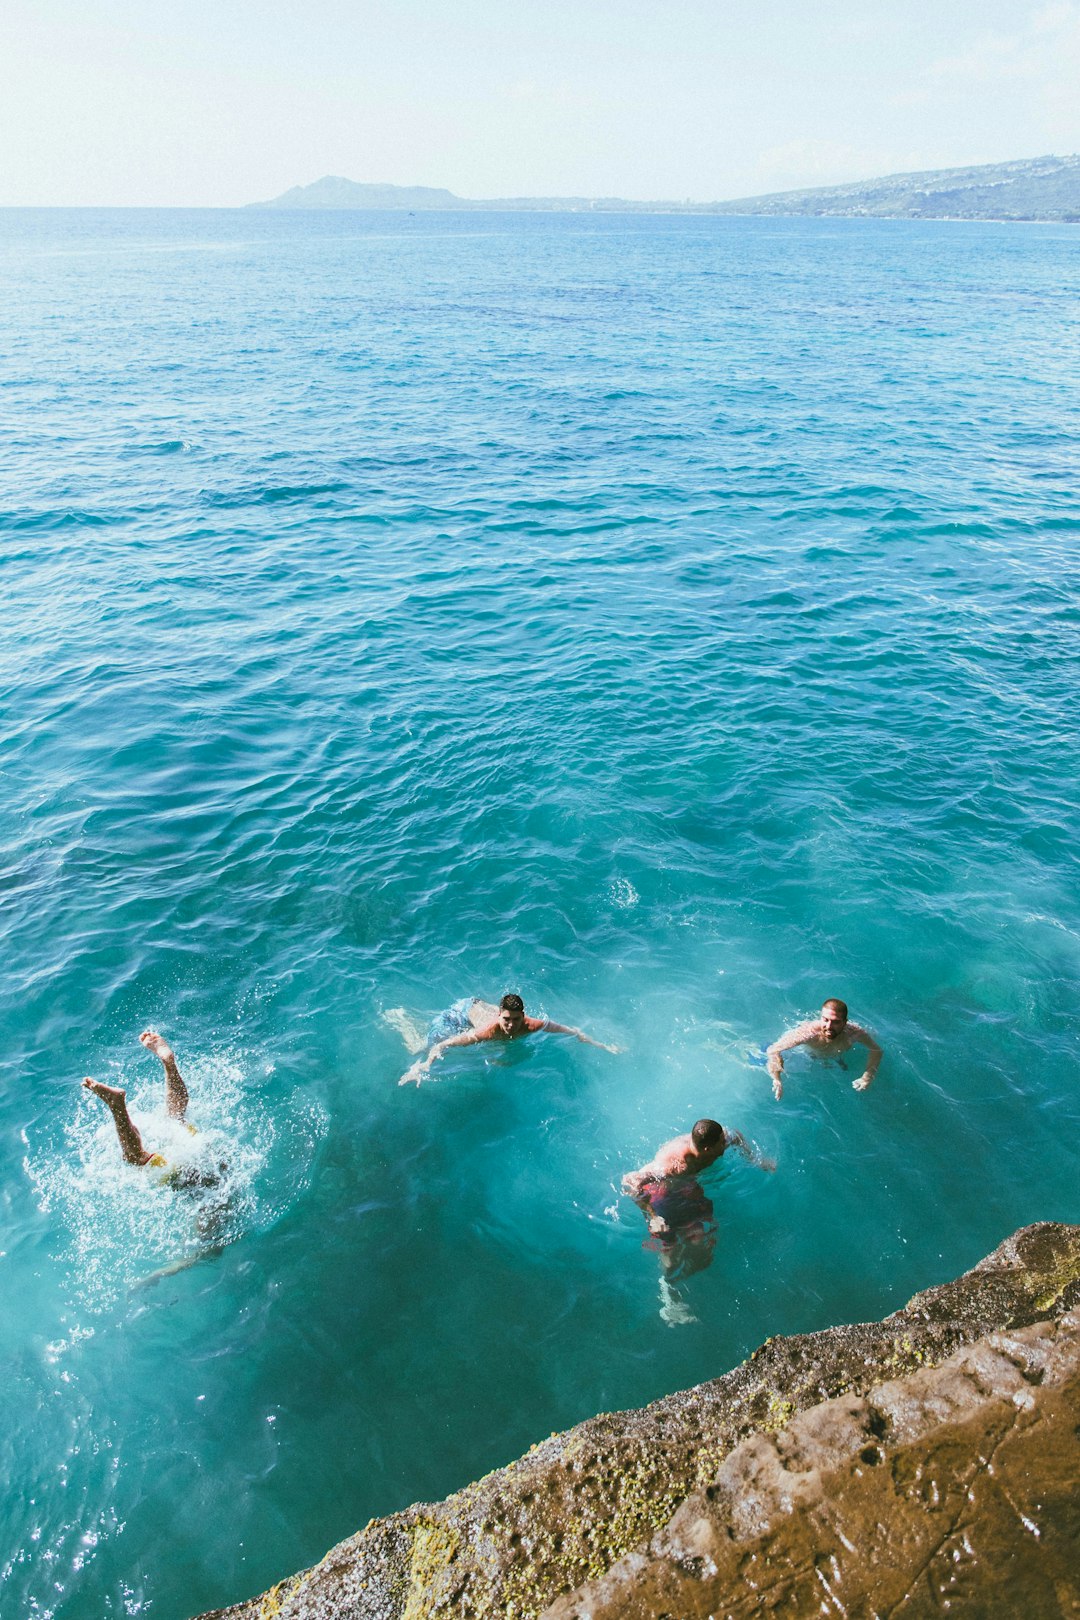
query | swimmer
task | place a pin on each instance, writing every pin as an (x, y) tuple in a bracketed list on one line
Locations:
[(828, 1036), (205, 1182), (115, 1099), (471, 1021), (677, 1211), (690, 1154)]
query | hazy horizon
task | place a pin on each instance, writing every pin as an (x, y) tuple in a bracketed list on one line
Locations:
[(518, 196), (196, 108)]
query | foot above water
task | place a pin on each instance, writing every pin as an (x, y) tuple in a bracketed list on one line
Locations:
[(108, 1094), (157, 1044)]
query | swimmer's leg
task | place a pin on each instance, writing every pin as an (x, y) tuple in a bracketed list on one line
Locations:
[(116, 1101), (673, 1308), (695, 1254), (407, 1028), (176, 1093)]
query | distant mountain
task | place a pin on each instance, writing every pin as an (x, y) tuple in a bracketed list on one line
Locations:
[(334, 192), (1032, 188), (1029, 189)]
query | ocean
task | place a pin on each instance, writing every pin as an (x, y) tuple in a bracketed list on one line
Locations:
[(671, 619)]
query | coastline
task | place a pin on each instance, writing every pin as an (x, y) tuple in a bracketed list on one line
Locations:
[(575, 1527)]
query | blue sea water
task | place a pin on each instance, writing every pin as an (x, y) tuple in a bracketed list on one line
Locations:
[(673, 619)]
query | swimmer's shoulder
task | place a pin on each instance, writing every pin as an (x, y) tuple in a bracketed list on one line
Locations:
[(805, 1034), (859, 1033), (797, 1035), (673, 1157)]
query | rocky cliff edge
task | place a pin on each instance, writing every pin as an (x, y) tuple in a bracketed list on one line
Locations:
[(918, 1465)]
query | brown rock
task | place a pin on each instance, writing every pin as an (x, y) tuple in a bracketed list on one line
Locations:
[(572, 1510), (949, 1490)]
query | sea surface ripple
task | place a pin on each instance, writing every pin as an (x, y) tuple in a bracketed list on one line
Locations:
[(673, 619)]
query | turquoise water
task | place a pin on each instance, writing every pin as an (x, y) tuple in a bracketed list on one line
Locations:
[(672, 619)]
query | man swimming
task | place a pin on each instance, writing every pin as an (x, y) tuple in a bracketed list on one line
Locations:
[(828, 1036), (678, 1213), (688, 1155), (470, 1021)]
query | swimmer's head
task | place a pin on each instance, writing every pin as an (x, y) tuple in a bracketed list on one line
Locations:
[(707, 1136), (833, 1017), (511, 1013)]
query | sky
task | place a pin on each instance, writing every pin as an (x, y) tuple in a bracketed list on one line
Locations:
[(207, 103)]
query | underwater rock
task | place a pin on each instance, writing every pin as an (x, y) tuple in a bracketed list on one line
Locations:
[(973, 1387)]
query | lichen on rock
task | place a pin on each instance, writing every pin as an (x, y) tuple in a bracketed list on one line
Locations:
[(569, 1512), (950, 1488)]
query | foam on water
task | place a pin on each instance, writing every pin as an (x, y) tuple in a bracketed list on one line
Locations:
[(122, 1225)]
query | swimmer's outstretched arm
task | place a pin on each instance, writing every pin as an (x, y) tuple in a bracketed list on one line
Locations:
[(422, 1066), (874, 1056), (116, 1101), (749, 1150), (568, 1029), (774, 1062), (176, 1093)]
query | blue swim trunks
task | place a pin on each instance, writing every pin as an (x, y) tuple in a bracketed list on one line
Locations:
[(453, 1021)]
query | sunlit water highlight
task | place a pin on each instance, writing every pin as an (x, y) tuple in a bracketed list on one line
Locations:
[(672, 619)]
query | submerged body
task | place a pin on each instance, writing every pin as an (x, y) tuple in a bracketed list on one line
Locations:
[(682, 1233), (677, 1210), (679, 1216)]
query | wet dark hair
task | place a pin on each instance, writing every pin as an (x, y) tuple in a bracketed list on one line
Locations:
[(837, 1006), (511, 1002), (707, 1133)]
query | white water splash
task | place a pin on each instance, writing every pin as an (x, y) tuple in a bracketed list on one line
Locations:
[(122, 1224)]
